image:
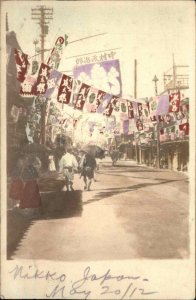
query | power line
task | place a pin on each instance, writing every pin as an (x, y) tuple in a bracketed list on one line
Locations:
[(88, 37)]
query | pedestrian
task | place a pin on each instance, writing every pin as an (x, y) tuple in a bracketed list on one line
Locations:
[(30, 203), (87, 166), (51, 165), (114, 156), (17, 184), (36, 162), (67, 166)]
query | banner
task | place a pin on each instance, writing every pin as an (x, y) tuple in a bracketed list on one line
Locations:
[(185, 128), (104, 75), (104, 103), (42, 80), (130, 109), (94, 99), (27, 86), (123, 109), (82, 96), (112, 105), (139, 107), (22, 64), (65, 89), (52, 82), (125, 126), (139, 124), (153, 104), (174, 102), (56, 53), (163, 105)]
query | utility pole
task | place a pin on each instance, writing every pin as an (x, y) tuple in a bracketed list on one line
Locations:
[(174, 72), (42, 14), (135, 96), (155, 79)]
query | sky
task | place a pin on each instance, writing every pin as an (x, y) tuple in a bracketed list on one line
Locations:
[(149, 32)]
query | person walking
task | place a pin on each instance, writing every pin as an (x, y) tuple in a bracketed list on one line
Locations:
[(67, 165), (114, 156), (87, 166)]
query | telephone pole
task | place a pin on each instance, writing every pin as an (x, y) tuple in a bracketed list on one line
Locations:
[(135, 96), (42, 14)]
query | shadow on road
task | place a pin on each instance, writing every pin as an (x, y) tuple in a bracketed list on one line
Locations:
[(116, 191), (55, 205)]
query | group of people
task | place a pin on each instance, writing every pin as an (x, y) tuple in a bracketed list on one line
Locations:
[(86, 166)]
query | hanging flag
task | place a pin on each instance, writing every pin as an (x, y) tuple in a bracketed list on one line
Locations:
[(27, 86), (153, 104), (103, 75), (22, 64), (184, 109), (91, 100), (163, 105), (75, 90), (132, 126), (139, 124), (145, 113), (82, 96), (125, 126), (123, 110), (174, 102), (112, 105), (65, 89), (56, 53), (139, 107), (42, 80), (130, 109), (161, 118), (99, 98), (185, 128), (106, 99), (94, 99), (52, 82)]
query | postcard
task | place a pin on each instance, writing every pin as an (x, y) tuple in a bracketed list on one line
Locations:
[(97, 150)]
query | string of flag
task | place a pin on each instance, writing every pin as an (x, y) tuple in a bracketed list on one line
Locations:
[(135, 116)]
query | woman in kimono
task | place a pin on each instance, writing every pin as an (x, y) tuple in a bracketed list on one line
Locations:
[(30, 203), (17, 184)]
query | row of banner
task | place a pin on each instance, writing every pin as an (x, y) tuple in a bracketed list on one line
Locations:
[(79, 94)]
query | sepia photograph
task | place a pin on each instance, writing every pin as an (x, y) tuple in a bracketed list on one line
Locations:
[(97, 149)]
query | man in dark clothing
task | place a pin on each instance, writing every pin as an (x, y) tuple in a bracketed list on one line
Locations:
[(87, 166)]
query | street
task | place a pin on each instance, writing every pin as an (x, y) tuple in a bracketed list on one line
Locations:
[(133, 211)]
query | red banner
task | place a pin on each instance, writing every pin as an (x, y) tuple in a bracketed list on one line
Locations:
[(22, 64), (185, 128), (174, 102), (130, 110), (65, 89), (42, 79)]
